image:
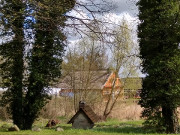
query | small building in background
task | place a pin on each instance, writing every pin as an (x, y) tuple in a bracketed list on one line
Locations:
[(84, 118), (96, 83), (113, 87)]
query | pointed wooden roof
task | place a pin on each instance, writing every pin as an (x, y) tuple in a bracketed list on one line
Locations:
[(88, 112)]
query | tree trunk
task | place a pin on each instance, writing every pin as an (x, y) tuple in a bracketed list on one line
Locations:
[(17, 69), (170, 120)]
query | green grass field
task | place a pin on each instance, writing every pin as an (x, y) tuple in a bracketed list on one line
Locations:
[(111, 127)]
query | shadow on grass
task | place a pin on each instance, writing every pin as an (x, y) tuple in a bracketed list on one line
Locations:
[(116, 128), (125, 130)]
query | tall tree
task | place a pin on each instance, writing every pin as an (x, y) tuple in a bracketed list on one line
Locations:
[(21, 22), (121, 59), (12, 52), (159, 38), (46, 53), (81, 64)]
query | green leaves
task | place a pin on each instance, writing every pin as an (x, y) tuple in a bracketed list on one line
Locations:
[(32, 54), (158, 35)]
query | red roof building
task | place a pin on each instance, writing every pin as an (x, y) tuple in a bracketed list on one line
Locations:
[(100, 82)]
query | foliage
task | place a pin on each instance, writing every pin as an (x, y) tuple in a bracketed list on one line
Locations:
[(81, 63), (121, 60), (12, 52), (159, 38), (32, 48), (122, 48), (89, 53)]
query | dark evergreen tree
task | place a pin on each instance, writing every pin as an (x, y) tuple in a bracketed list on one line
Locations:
[(12, 52), (28, 78), (159, 38), (46, 53)]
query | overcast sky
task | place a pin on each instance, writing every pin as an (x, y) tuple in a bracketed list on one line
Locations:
[(118, 10), (128, 6)]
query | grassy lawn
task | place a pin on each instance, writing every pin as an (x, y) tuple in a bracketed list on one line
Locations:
[(111, 127)]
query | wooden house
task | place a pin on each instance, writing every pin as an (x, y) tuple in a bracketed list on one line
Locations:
[(114, 87), (98, 83), (84, 118)]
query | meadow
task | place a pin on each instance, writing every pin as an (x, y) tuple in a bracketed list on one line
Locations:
[(110, 127), (124, 120)]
